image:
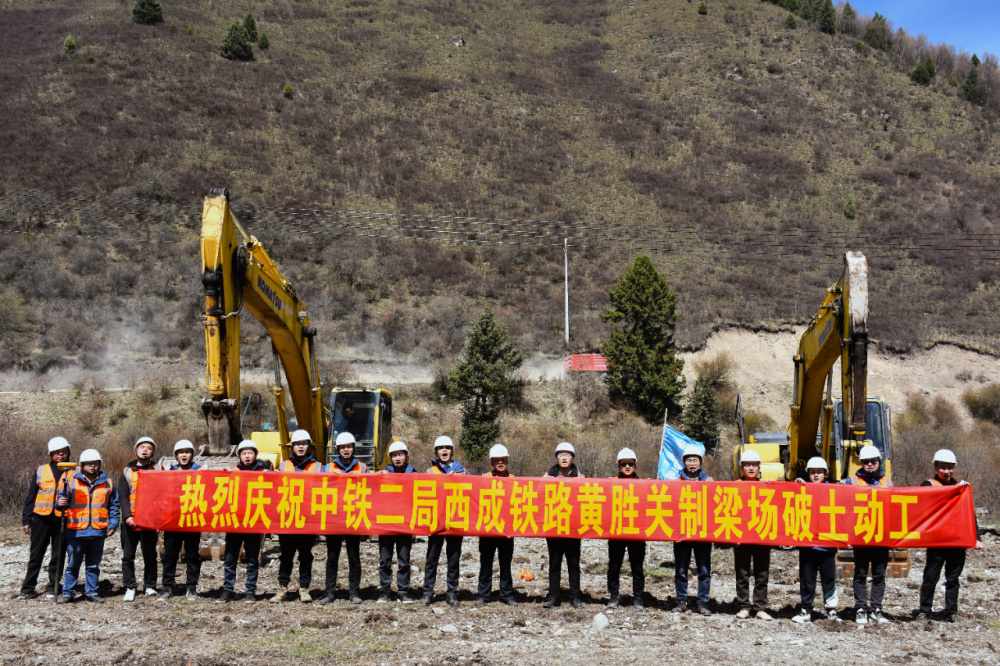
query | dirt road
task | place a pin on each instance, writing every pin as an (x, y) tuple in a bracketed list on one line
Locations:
[(206, 632)]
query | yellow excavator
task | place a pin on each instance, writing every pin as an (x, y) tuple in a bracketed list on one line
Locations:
[(238, 274), (833, 429)]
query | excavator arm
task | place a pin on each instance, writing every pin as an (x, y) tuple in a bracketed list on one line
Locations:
[(238, 275), (839, 329)]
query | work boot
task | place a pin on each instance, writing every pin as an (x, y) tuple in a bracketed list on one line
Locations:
[(282, 595), (510, 601), (637, 603), (763, 615), (250, 598), (304, 597), (576, 602), (920, 616), (191, 594), (613, 602), (64, 599), (804, 616), (404, 598), (355, 599), (226, 595), (680, 606), (452, 599), (427, 599), (129, 595), (550, 602), (94, 599), (744, 614), (949, 617), (383, 598), (24, 596), (327, 599), (703, 610)]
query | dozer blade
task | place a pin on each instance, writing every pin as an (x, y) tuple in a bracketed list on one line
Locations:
[(899, 563), (221, 419)]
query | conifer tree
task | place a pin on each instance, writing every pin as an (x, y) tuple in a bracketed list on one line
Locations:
[(250, 25), (147, 12), (929, 66), (826, 17), (485, 380), (236, 44), (971, 88), (702, 414), (644, 371), (877, 33)]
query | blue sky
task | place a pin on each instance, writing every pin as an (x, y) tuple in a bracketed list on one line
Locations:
[(969, 25)]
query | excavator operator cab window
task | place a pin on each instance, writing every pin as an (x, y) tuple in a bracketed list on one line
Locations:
[(354, 412)]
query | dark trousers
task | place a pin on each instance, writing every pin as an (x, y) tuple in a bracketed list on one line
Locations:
[(503, 547), (401, 544), (878, 560), (353, 543), (570, 549), (132, 540), (44, 537), (702, 562), (823, 562), (636, 558), (953, 561), (291, 544), (755, 559), (251, 546), (172, 542), (454, 555)]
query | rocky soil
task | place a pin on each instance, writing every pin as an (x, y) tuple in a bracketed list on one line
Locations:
[(206, 632)]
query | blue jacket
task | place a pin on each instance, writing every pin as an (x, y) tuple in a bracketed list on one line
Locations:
[(701, 476), (257, 466), (408, 470), (193, 467), (114, 511)]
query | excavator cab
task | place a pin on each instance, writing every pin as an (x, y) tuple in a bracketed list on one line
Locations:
[(366, 413), (879, 434)]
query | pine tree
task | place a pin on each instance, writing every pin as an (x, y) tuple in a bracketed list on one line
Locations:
[(877, 33), (973, 92), (929, 66), (848, 20), (702, 413), (485, 380), (920, 75), (69, 45), (826, 17), (250, 25), (643, 368), (790, 22), (262, 43), (806, 10), (147, 12), (850, 210), (236, 44)]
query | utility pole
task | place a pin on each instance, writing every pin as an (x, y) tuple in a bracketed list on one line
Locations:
[(566, 280)]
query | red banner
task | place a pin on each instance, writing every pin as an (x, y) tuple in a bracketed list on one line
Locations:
[(786, 514)]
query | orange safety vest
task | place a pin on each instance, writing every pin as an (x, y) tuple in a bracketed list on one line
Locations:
[(48, 488), (855, 481), (490, 473), (289, 466), (360, 468), (88, 505), (133, 481), (935, 482)]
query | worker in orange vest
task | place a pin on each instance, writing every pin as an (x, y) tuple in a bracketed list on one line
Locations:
[(444, 463), (301, 460), (92, 513), (344, 463), (502, 546), (41, 517), (132, 537), (952, 560), (875, 557)]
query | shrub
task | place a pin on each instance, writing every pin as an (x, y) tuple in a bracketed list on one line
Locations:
[(69, 45), (173, 26), (190, 30), (702, 9), (644, 370), (287, 91), (984, 403), (236, 44), (850, 210), (147, 12), (790, 22), (920, 75), (250, 25), (263, 43)]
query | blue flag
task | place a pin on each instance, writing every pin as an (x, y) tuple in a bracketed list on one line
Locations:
[(671, 447)]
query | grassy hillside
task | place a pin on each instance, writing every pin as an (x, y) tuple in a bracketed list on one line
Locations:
[(725, 144)]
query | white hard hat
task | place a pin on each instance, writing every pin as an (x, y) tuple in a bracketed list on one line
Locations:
[(90, 455), (246, 444), (182, 445), (626, 454), (749, 455), (345, 438), (868, 452), (58, 444), (144, 440), (444, 442), (565, 447), (498, 451), (817, 463), (945, 456), (692, 451), (301, 436), (398, 445)]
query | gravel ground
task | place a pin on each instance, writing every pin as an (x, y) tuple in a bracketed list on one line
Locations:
[(205, 632)]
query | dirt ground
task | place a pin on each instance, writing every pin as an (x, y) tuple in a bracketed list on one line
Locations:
[(207, 632)]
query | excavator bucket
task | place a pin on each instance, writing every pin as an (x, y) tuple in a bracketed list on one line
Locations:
[(221, 418), (899, 563)]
